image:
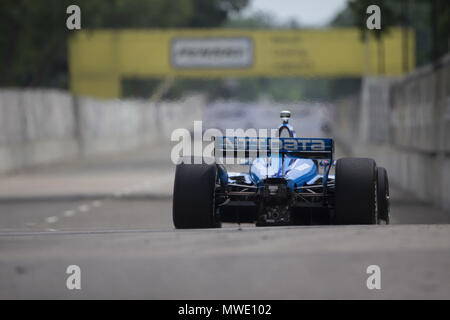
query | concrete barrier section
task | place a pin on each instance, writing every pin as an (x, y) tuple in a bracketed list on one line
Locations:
[(43, 126), (36, 127), (404, 124)]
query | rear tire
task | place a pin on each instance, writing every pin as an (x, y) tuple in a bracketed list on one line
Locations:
[(194, 196), (356, 191), (383, 194)]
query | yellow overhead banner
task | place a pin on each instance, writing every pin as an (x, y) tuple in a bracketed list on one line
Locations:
[(100, 59)]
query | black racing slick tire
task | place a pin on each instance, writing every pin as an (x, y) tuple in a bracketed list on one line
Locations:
[(194, 196), (383, 194), (355, 192)]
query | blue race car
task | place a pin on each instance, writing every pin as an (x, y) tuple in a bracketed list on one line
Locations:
[(289, 182)]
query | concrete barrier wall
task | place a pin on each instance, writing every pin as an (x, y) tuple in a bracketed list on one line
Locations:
[(35, 127), (404, 124), (43, 126), (180, 115)]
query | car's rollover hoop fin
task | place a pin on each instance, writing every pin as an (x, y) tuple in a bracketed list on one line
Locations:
[(248, 147)]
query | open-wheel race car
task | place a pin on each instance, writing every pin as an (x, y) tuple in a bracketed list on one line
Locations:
[(289, 182)]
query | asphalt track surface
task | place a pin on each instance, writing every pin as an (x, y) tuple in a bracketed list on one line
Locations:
[(126, 247)]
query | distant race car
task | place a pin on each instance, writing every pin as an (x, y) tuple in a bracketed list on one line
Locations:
[(288, 183)]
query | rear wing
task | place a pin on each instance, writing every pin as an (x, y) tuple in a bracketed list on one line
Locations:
[(249, 147)]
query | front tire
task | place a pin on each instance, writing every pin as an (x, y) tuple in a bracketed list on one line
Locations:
[(194, 196), (356, 201)]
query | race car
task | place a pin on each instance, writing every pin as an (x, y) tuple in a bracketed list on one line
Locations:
[(289, 182)]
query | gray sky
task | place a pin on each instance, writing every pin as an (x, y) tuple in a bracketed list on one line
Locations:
[(314, 13)]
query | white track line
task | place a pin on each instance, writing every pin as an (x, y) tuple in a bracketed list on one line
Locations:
[(97, 203), (69, 213), (83, 208), (51, 219)]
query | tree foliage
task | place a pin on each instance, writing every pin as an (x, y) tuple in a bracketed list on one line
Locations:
[(416, 14), (33, 33)]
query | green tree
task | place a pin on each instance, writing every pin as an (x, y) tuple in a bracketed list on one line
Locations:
[(33, 34)]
